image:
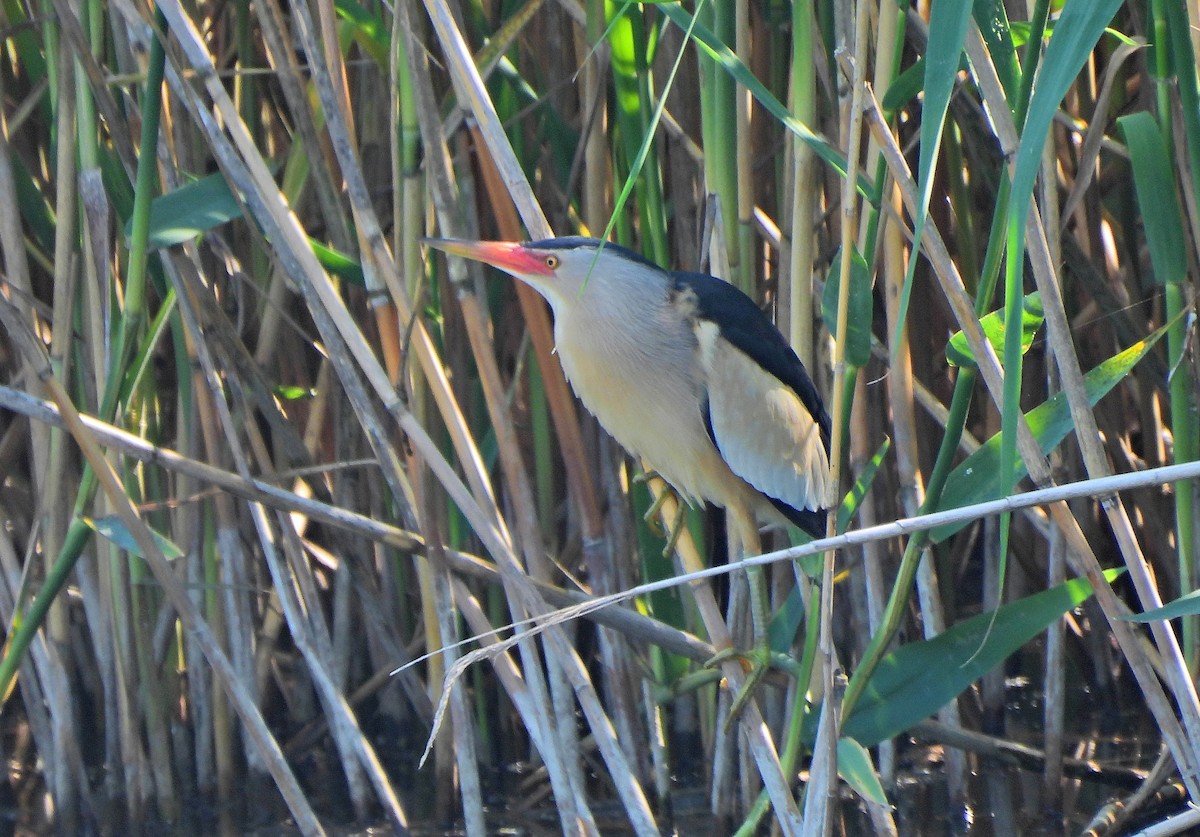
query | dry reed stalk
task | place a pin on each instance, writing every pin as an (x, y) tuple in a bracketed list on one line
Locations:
[(1038, 469), (329, 572)]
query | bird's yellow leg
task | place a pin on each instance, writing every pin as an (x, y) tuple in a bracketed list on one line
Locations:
[(676, 528), (651, 515), (759, 657)]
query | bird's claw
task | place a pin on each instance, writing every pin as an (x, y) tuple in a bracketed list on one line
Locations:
[(755, 663), (645, 476), (651, 515), (654, 522)]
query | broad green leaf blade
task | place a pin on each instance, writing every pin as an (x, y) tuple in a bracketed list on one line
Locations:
[(905, 87), (1021, 31), (978, 477), (31, 203), (1154, 181), (1042, 86), (113, 528), (368, 30), (1188, 605), (958, 351), (192, 210), (858, 323), (857, 769), (293, 393), (23, 33), (918, 679), (338, 264), (1000, 39), (1075, 35), (948, 21), (785, 624)]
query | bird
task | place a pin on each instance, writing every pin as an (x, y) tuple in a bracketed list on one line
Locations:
[(685, 371)]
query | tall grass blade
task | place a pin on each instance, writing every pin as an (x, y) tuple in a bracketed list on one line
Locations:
[(948, 21)]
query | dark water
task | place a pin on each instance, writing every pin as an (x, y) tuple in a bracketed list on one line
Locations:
[(1108, 727)]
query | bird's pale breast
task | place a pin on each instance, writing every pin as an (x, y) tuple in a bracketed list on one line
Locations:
[(653, 405)]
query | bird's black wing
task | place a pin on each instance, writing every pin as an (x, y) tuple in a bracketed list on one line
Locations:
[(744, 325), (748, 330)]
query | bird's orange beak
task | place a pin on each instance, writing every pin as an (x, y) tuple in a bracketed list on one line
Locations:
[(508, 256)]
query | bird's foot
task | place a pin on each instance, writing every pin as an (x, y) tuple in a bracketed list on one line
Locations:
[(645, 475), (755, 662), (676, 530), (653, 519)]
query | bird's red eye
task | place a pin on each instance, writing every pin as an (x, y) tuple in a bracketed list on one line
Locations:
[(552, 262)]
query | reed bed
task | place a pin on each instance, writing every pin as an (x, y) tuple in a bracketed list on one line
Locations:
[(259, 449)]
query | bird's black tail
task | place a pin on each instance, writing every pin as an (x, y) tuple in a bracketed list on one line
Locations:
[(812, 522)]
